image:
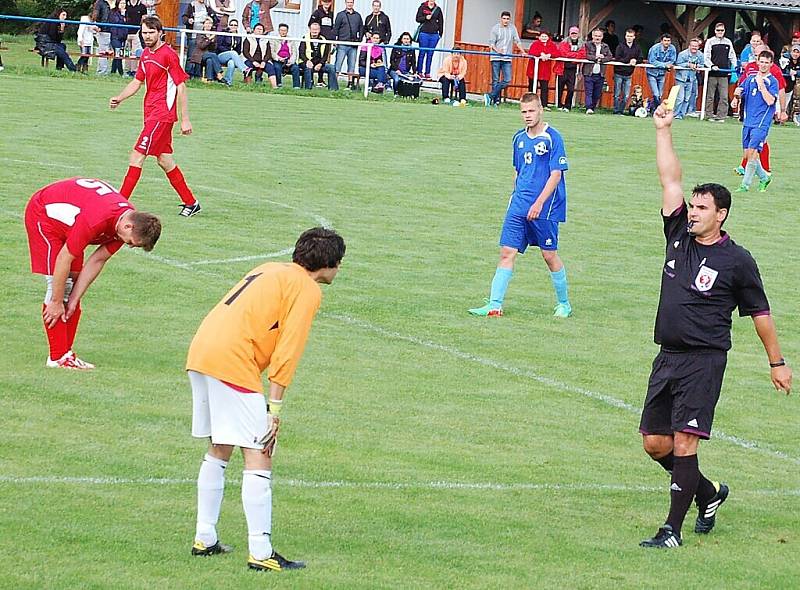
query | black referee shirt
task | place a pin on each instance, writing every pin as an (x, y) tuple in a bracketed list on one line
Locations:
[(701, 286)]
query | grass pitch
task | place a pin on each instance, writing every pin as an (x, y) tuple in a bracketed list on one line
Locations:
[(421, 447)]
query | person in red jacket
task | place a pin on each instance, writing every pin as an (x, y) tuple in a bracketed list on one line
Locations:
[(567, 71), (545, 49)]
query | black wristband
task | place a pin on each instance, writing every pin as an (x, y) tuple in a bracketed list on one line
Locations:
[(780, 363)]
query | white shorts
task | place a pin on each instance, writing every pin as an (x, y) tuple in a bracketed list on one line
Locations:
[(228, 416)]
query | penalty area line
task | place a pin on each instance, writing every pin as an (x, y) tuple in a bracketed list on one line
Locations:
[(376, 485)]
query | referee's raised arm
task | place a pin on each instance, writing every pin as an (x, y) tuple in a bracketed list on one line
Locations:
[(669, 167)]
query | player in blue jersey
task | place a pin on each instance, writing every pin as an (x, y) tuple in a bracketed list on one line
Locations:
[(538, 204), (760, 91)]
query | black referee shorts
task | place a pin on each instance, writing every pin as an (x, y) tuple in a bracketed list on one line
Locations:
[(682, 392)]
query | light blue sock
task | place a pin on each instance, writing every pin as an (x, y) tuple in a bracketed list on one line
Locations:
[(502, 276), (749, 173), (760, 172), (559, 279)]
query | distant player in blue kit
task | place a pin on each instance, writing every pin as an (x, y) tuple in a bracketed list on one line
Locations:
[(538, 204), (760, 92)]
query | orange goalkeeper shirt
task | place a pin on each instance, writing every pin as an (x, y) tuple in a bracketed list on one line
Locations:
[(262, 322)]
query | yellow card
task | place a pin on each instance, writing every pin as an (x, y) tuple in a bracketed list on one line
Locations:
[(673, 96)]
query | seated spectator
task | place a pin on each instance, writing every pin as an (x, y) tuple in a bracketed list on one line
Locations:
[(534, 27), (229, 50), (119, 36), (377, 67), (85, 42), (452, 76), (545, 49), (663, 56), (314, 57), (403, 62), (638, 105), (285, 54), (223, 10), (257, 56), (52, 37), (203, 55)]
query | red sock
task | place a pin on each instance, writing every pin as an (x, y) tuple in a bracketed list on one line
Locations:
[(131, 178), (178, 182), (57, 338), (72, 326), (765, 157)]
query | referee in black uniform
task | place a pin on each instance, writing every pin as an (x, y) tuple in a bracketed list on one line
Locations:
[(706, 276)]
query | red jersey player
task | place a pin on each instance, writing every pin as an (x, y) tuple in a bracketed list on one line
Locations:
[(161, 71), (61, 220), (780, 113)]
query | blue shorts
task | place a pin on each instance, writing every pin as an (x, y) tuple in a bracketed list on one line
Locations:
[(520, 233), (754, 137)]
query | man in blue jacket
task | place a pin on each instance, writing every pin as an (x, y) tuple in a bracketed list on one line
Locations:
[(662, 55)]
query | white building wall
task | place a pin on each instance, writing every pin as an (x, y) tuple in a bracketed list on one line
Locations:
[(480, 16)]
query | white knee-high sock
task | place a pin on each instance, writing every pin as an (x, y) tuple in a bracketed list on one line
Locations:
[(210, 488), (257, 503)]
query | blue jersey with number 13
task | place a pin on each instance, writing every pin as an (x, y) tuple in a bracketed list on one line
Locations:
[(534, 159)]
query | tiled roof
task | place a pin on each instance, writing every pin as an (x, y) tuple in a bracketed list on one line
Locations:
[(776, 5)]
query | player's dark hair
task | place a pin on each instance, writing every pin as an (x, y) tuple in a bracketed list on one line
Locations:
[(720, 194), (153, 22), (766, 54), (318, 248), (146, 228), (505, 13)]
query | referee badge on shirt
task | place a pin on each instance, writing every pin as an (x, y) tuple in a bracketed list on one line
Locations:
[(705, 278)]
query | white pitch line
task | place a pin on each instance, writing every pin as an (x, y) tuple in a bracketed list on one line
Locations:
[(278, 254), (376, 485), (548, 381)]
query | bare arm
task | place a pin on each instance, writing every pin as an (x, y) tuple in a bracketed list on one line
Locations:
[(550, 186), (669, 167), (129, 90), (86, 277), (183, 105), (781, 375), (54, 310)]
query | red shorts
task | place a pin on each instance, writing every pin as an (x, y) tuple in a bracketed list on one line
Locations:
[(44, 244), (155, 139)]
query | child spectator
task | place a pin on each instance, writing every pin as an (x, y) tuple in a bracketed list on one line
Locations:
[(638, 104), (85, 41)]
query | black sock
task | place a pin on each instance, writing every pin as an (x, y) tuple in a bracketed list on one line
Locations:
[(666, 462), (705, 491), (685, 476)]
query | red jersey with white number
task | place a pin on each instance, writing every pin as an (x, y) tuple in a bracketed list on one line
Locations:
[(161, 71), (79, 212)]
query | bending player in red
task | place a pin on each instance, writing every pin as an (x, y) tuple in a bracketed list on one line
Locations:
[(62, 219), (161, 71)]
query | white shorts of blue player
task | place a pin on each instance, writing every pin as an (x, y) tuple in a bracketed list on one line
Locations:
[(536, 207)]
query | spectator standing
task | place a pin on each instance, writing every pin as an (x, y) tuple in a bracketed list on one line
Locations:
[(205, 53), (101, 14), (314, 57), (377, 66), (452, 76), (257, 11), (690, 58), (546, 50), (348, 26), (255, 51), (593, 77), (135, 11), (284, 56), (502, 40), (223, 11), (403, 61), (85, 42), (431, 21), (662, 55), (119, 36), (378, 22), (720, 56), (323, 16), (748, 53), (567, 71), (150, 5), (791, 75), (193, 18), (54, 35), (627, 52), (229, 52), (610, 36)]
